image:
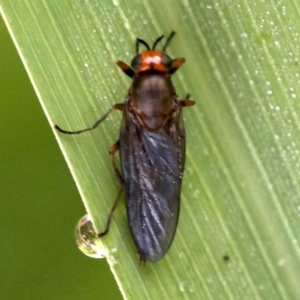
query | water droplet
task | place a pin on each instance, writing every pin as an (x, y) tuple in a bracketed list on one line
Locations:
[(87, 239), (281, 262), (181, 287)]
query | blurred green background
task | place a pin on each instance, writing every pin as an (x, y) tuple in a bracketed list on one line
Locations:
[(40, 205)]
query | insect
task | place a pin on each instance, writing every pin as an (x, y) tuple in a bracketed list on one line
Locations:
[(152, 149)]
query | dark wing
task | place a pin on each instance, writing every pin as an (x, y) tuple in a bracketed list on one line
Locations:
[(152, 165)]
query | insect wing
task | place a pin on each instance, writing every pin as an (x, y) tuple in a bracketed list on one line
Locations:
[(152, 164)]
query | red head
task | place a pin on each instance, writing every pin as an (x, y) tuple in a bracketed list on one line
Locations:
[(154, 60), (151, 60)]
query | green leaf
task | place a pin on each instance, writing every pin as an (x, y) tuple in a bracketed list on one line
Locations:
[(238, 234)]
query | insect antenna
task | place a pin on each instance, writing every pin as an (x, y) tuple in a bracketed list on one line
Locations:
[(137, 45), (157, 41), (168, 41)]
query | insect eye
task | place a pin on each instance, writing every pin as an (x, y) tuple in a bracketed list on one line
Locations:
[(166, 61), (136, 62)]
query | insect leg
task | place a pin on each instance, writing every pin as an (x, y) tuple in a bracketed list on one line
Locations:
[(125, 68), (119, 106), (113, 149), (176, 64), (111, 214), (187, 102)]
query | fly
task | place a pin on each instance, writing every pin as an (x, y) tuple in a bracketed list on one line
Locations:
[(152, 149)]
